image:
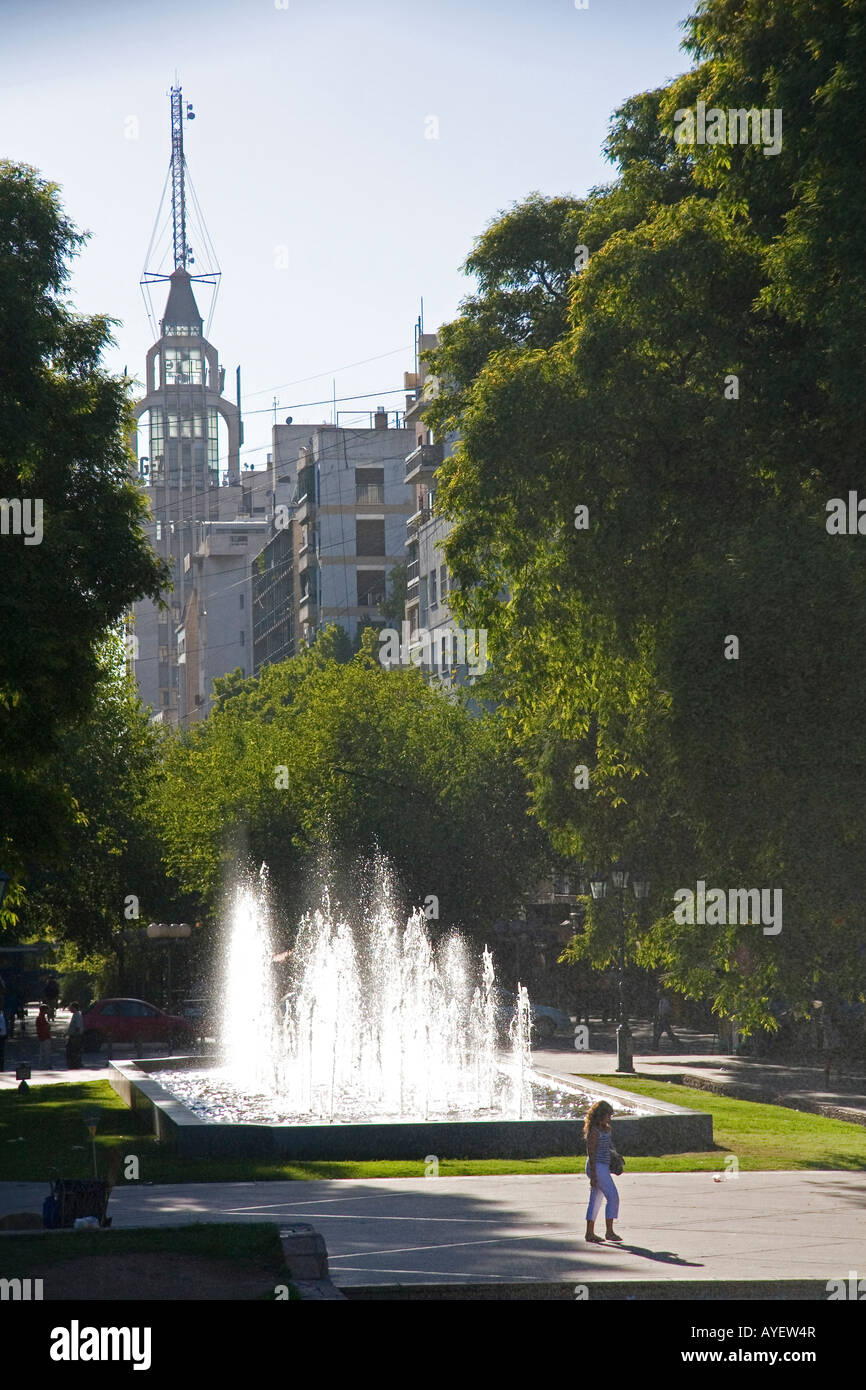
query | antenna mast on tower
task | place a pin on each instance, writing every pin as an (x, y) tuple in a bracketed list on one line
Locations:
[(178, 191), (185, 213)]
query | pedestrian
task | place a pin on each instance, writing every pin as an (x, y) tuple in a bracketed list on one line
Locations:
[(2, 1038), (50, 994), (597, 1133), (832, 1049), (11, 1006), (43, 1033), (662, 1021), (74, 1038)]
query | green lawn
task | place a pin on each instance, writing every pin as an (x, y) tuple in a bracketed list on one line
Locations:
[(43, 1131), (761, 1136)]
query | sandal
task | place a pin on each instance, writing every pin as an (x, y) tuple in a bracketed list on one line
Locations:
[(612, 1236), (594, 1240)]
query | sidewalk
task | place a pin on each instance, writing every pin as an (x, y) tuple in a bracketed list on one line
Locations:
[(676, 1226), (797, 1087)]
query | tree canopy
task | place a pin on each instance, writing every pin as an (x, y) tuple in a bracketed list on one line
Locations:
[(317, 764), (73, 555), (649, 435)]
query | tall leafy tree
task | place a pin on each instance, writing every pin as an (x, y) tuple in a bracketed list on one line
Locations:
[(65, 477), (110, 875), (317, 764), (643, 475)]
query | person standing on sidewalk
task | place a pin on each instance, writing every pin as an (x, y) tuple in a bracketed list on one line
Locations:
[(51, 994), (832, 1048), (596, 1132), (662, 1023), (43, 1033), (74, 1038)]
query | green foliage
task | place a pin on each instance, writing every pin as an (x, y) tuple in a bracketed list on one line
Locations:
[(607, 389), (394, 606), (108, 851), (318, 760), (64, 425)]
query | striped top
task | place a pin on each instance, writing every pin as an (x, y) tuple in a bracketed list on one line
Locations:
[(602, 1153)]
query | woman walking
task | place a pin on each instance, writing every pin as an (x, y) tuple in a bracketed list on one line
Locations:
[(596, 1132)]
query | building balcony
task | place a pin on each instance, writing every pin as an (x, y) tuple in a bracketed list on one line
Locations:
[(412, 573), (423, 460), (416, 521), (370, 494)]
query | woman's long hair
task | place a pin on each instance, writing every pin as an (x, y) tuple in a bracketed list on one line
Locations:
[(596, 1115)]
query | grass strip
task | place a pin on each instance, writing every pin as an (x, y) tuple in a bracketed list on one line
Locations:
[(44, 1132)]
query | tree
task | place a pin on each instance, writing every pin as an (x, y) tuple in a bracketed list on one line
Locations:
[(394, 606), (317, 765), (643, 474), (109, 875), (73, 555)]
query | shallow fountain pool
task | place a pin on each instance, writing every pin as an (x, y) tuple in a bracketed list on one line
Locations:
[(213, 1094)]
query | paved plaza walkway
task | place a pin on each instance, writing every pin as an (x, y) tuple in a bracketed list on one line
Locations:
[(676, 1226), (526, 1229)]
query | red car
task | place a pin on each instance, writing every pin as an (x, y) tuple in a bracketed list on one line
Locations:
[(133, 1021)]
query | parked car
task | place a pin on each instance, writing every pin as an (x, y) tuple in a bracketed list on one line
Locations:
[(133, 1021), (545, 1020)]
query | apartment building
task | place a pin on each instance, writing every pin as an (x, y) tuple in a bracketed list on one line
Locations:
[(347, 522), (428, 610)]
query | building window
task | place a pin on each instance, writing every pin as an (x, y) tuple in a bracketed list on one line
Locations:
[(183, 366), (242, 637), (373, 494), (434, 601), (371, 588), (241, 597), (370, 537), (443, 581)]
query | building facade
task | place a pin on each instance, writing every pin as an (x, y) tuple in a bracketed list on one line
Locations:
[(438, 643), (206, 520), (350, 517)]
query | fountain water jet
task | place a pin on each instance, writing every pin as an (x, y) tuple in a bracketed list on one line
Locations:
[(376, 1023), (370, 1041)]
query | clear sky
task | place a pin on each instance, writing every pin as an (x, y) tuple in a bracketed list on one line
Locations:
[(331, 212)]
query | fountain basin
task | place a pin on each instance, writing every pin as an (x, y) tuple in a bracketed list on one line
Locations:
[(660, 1128)]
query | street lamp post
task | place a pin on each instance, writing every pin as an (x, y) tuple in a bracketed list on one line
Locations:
[(618, 880)]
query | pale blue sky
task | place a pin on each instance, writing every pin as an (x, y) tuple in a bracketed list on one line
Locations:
[(310, 135)]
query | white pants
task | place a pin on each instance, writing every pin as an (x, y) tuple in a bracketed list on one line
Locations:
[(606, 1190)]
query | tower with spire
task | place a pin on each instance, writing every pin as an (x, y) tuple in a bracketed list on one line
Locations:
[(191, 470)]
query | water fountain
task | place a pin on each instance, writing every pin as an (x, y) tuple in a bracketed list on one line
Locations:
[(370, 1040), (375, 1023)]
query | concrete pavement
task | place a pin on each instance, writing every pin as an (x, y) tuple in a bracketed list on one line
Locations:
[(676, 1226)]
